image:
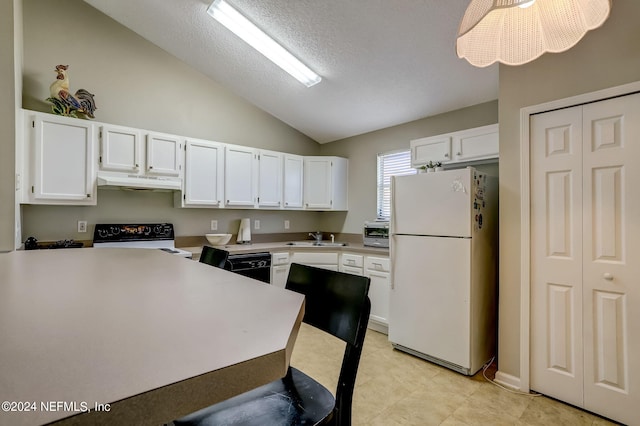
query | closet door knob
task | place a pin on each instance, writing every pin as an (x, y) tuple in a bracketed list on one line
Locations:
[(607, 276)]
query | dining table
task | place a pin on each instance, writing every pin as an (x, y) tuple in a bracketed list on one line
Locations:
[(120, 336)]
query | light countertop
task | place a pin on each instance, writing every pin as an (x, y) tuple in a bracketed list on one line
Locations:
[(272, 247), (152, 334)]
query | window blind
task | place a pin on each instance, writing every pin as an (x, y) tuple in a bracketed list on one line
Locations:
[(397, 163)]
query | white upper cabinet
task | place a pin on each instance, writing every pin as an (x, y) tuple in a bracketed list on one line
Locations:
[(270, 170), (61, 160), (163, 154), (325, 183), (203, 174), (293, 181), (435, 148), (240, 176), (480, 143), (476, 144), (120, 149)]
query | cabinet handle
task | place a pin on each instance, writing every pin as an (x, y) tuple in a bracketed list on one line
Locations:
[(458, 154), (150, 167), (88, 195), (137, 166), (607, 276), (446, 155)]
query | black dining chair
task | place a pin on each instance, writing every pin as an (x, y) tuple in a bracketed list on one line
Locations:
[(213, 256), (336, 303)]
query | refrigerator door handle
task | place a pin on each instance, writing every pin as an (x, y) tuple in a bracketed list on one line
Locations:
[(392, 256)]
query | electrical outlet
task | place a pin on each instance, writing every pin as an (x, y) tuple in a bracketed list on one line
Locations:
[(214, 225), (286, 224), (256, 224), (82, 226)]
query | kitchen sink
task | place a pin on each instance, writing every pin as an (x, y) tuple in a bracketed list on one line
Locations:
[(316, 244)]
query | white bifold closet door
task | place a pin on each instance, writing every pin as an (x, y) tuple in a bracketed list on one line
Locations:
[(585, 256)]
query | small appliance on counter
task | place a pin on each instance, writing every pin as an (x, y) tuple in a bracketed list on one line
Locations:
[(31, 243), (149, 236), (376, 234), (244, 232)]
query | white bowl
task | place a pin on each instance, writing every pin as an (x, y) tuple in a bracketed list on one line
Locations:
[(218, 239)]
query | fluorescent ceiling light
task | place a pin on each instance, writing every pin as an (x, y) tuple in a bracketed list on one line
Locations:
[(256, 38)]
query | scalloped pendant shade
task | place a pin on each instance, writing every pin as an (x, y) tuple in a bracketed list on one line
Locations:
[(515, 32)]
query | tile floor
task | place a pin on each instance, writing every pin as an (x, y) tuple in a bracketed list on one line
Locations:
[(394, 388)]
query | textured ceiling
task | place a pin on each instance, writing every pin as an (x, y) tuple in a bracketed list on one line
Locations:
[(383, 62)]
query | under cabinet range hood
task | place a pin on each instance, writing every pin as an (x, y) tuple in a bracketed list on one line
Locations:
[(139, 182)]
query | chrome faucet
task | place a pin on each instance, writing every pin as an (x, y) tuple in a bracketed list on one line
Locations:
[(316, 235)]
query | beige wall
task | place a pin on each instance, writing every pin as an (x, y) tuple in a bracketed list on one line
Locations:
[(606, 57), (9, 87), (138, 84), (362, 153)]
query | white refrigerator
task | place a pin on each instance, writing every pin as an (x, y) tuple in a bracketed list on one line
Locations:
[(443, 248)]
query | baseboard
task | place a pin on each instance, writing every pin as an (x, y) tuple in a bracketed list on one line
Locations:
[(507, 380)]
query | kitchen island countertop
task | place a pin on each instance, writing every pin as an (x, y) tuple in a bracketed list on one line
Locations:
[(149, 335)]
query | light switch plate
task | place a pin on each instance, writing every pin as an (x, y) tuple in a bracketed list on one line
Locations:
[(214, 225), (286, 224), (82, 226)]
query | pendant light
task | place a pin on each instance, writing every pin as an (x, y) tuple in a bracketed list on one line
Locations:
[(515, 32)]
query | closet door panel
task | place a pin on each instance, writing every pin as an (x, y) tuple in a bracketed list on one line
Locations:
[(556, 255), (611, 261)]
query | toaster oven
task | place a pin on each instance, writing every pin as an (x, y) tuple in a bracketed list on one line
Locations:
[(376, 234)]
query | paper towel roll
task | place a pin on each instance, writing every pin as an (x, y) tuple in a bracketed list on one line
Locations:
[(244, 232)]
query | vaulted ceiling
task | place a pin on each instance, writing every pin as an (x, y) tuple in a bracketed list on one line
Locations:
[(383, 62)]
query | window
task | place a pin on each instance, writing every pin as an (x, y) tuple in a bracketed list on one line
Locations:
[(397, 163)]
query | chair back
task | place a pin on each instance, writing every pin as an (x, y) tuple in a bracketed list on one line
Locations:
[(213, 256), (336, 303)]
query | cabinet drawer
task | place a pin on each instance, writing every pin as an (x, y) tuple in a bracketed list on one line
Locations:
[(315, 258), (352, 270), (377, 263), (280, 258), (354, 260)]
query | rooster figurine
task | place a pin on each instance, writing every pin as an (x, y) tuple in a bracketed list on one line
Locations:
[(64, 103)]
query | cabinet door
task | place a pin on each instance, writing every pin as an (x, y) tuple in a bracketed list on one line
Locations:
[(119, 149), (293, 181), (203, 173), (434, 148), (279, 275), (476, 144), (378, 269), (63, 160), (317, 183), (379, 296), (240, 176), (270, 179), (163, 154)]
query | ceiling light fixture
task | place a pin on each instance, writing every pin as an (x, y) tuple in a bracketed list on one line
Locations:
[(515, 32), (224, 13)]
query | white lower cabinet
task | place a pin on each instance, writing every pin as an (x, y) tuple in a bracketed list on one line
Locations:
[(378, 269), (351, 263), (325, 260), (279, 268)]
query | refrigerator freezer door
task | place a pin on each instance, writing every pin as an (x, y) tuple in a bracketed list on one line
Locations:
[(433, 203), (430, 300)]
